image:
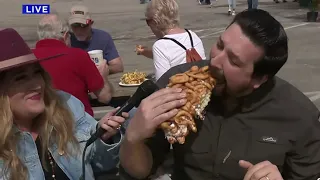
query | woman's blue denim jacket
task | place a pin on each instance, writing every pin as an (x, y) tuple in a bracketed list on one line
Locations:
[(99, 156)]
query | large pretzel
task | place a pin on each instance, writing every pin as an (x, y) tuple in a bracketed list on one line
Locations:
[(198, 84)]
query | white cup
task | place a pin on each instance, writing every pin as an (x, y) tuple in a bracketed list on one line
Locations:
[(96, 56)]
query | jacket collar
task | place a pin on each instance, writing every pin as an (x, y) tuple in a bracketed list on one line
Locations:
[(17, 130), (246, 103)]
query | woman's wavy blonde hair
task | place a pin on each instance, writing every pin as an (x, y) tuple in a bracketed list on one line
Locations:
[(56, 117), (164, 13)]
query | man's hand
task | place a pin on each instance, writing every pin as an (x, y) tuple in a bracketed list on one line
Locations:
[(103, 68), (153, 110), (261, 171), (111, 124)]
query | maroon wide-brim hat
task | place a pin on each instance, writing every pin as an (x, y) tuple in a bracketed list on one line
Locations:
[(14, 51)]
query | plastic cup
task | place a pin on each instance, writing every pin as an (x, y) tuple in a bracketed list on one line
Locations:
[(96, 56)]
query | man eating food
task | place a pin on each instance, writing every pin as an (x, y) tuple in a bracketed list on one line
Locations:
[(256, 127)]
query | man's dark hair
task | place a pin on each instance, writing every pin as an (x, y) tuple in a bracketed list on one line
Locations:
[(264, 31)]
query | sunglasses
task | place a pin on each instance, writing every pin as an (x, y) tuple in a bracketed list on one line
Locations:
[(79, 25)]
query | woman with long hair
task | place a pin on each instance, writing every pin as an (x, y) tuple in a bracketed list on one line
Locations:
[(43, 131)]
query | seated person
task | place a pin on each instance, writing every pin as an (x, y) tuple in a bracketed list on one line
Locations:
[(256, 127), (44, 131), (74, 72), (87, 38), (162, 16)]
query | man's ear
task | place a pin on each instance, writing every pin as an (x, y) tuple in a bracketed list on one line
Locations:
[(66, 35), (91, 23), (258, 81), (66, 38)]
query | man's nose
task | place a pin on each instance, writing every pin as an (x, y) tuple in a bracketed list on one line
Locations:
[(218, 74), (216, 62)]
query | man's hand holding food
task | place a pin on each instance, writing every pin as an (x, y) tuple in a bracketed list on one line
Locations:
[(153, 110)]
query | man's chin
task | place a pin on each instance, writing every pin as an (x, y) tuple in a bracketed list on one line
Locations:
[(81, 38)]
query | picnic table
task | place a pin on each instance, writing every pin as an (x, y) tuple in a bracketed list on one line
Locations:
[(118, 91)]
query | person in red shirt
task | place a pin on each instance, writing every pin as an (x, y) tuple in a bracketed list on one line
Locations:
[(74, 72)]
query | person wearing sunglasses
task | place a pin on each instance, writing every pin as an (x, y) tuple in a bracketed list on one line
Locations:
[(87, 38), (162, 17)]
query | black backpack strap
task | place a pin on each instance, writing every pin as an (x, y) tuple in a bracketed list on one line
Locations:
[(177, 42), (190, 36)]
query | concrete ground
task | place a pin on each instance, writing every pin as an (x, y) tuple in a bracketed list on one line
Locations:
[(123, 19)]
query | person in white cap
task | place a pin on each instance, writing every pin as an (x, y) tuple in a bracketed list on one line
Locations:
[(87, 38)]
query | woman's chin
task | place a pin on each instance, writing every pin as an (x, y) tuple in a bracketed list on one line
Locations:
[(36, 110)]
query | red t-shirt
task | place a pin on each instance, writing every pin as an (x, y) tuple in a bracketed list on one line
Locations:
[(74, 72)]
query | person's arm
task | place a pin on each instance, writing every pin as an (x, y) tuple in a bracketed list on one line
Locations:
[(105, 94), (148, 53), (104, 155), (140, 160), (112, 56), (100, 155), (97, 84), (115, 65), (145, 147), (160, 59), (304, 161), (145, 51)]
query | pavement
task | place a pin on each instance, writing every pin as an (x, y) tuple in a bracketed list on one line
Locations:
[(123, 19)]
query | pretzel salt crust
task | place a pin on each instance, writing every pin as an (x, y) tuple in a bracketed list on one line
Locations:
[(198, 84)]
